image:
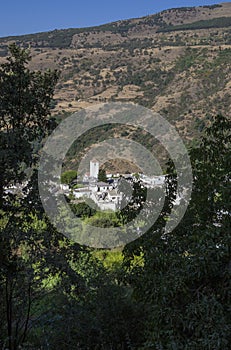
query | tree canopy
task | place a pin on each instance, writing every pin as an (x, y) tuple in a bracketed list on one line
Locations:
[(68, 176)]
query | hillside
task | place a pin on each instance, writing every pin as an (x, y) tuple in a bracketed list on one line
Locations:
[(176, 62)]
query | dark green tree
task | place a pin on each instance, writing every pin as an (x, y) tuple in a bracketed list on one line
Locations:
[(83, 210), (102, 175), (68, 176), (131, 207), (25, 98), (185, 275)]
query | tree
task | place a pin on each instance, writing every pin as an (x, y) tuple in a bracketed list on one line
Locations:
[(131, 208), (185, 277), (25, 99), (102, 175), (83, 210), (68, 176)]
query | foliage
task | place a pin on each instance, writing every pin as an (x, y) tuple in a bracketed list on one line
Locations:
[(211, 7), (104, 219), (24, 120), (131, 209), (24, 115), (68, 176), (82, 210), (106, 318), (102, 175), (111, 259), (186, 274), (221, 22)]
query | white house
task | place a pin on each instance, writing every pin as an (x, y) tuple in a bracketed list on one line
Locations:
[(114, 196), (65, 187), (82, 192), (152, 181), (102, 186)]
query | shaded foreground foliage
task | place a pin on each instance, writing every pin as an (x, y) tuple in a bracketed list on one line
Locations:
[(172, 291), (186, 274)]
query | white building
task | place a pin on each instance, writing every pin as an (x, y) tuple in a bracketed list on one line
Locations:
[(65, 188), (107, 200), (153, 181), (82, 192), (94, 169), (114, 196)]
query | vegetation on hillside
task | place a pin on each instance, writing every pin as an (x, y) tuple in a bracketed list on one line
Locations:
[(221, 22), (175, 62)]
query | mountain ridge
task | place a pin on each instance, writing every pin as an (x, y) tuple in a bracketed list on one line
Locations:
[(201, 12)]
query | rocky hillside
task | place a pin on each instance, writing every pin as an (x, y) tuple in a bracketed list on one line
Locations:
[(176, 62)]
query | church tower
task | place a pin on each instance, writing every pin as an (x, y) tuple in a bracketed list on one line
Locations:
[(94, 169)]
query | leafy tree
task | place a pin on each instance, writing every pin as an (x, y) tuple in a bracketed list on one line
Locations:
[(25, 98), (102, 175), (104, 219), (68, 176), (135, 204), (104, 317), (186, 274), (83, 210)]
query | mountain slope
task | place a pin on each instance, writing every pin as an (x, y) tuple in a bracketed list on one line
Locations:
[(176, 62)]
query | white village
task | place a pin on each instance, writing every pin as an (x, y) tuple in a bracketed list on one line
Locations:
[(107, 195)]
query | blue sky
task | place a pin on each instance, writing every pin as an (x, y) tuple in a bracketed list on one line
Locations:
[(31, 16)]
